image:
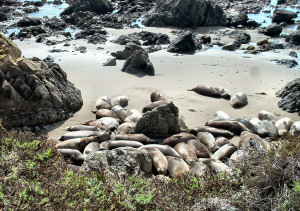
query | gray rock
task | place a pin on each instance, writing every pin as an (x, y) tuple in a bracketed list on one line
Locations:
[(185, 13), (121, 161), (238, 20), (294, 38), (184, 43), (81, 49), (290, 63), (293, 54), (161, 121), (110, 62), (272, 30), (280, 16), (127, 52), (230, 47), (240, 36), (138, 63)]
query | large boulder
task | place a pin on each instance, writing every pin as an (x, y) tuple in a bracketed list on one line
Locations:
[(280, 16), (294, 38), (161, 121), (126, 53), (97, 6), (138, 63), (290, 96), (33, 92), (121, 161), (272, 30), (184, 43), (25, 22), (236, 20), (185, 13)]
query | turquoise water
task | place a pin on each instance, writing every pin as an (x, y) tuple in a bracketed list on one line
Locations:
[(49, 10)]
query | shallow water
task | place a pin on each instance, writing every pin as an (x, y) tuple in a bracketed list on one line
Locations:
[(49, 10)]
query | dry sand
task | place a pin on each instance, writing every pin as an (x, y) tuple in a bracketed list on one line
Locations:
[(175, 74)]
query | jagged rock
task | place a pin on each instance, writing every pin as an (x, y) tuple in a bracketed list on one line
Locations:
[(25, 22), (280, 16), (290, 96), (293, 54), (230, 47), (240, 36), (153, 48), (94, 34), (126, 53), (55, 23), (32, 91), (161, 121), (138, 62), (290, 63), (28, 32), (238, 20), (3, 17), (185, 13), (294, 38), (272, 30), (110, 62), (121, 161), (184, 43), (81, 49)]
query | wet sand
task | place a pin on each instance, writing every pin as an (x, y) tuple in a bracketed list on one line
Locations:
[(174, 75)]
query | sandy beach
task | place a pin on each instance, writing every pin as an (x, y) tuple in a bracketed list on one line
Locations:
[(174, 75)]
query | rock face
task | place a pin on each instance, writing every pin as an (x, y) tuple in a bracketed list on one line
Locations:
[(121, 161), (184, 43), (33, 91), (162, 120), (97, 6), (138, 62), (284, 16), (185, 13), (290, 95), (294, 38)]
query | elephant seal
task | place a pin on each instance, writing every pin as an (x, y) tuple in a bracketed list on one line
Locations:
[(74, 155), (295, 128), (178, 138), (198, 169), (239, 100), (91, 147), (119, 111), (79, 143), (103, 102), (224, 152), (165, 149), (238, 156), (136, 137), (96, 123), (220, 141), (207, 139), (270, 128), (156, 96), (110, 122), (216, 166), (214, 131), (266, 115), (206, 91), (83, 133), (248, 124), (261, 130), (283, 125), (153, 105), (177, 168), (108, 145), (233, 126), (248, 140), (82, 127), (103, 112), (224, 93), (126, 128), (133, 116), (120, 100), (160, 162), (221, 116), (199, 148), (186, 152)]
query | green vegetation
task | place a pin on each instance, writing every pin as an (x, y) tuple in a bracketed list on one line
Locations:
[(34, 176)]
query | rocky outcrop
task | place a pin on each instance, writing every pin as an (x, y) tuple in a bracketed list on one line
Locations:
[(33, 91), (94, 34), (25, 22), (138, 63), (162, 120), (185, 13), (184, 43), (121, 161), (290, 96), (284, 16), (126, 53)]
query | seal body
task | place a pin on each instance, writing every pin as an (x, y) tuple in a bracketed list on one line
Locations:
[(239, 100), (165, 149), (266, 115), (74, 155), (270, 128), (186, 152), (283, 125), (178, 138), (91, 147), (133, 116), (248, 124), (207, 139), (198, 169), (214, 131), (136, 137), (156, 96), (260, 128), (233, 126), (77, 143), (295, 128), (126, 128), (153, 105), (177, 168), (119, 111), (199, 148), (160, 162), (96, 123), (103, 102), (104, 113), (221, 115), (120, 100), (220, 141), (224, 152), (82, 127), (206, 91), (110, 122)]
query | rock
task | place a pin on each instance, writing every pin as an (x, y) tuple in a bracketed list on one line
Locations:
[(25, 22), (290, 96), (34, 92), (138, 63), (213, 204), (290, 63), (294, 38), (95, 34), (28, 32), (110, 62), (230, 47), (280, 16), (241, 37), (272, 30), (205, 39), (293, 54), (81, 49), (97, 6), (3, 17), (184, 43), (153, 49), (238, 20), (252, 23), (160, 121), (185, 13), (126, 53), (121, 161)]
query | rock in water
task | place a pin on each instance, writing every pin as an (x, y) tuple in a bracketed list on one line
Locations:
[(185, 13), (138, 62), (35, 91), (290, 96), (184, 43), (122, 161), (162, 120), (284, 16)]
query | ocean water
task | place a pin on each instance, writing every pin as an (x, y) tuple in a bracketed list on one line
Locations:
[(49, 10)]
